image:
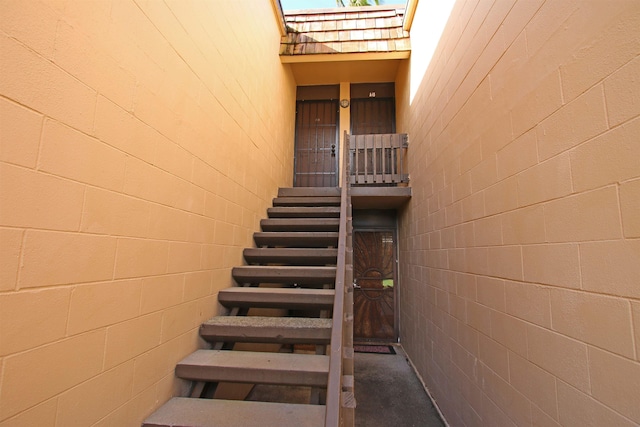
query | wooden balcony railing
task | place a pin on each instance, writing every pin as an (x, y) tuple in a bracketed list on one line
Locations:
[(377, 159)]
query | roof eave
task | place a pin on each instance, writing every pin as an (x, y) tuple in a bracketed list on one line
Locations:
[(341, 57), (279, 13), (409, 13)]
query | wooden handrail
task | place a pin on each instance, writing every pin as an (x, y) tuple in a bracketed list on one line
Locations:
[(342, 310)]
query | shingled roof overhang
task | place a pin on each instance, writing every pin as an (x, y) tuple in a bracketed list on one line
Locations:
[(345, 44)]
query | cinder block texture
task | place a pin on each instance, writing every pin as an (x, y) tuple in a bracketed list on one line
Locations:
[(140, 144), (525, 141)]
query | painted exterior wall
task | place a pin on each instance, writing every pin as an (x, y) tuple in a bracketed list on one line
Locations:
[(520, 248), (141, 142)]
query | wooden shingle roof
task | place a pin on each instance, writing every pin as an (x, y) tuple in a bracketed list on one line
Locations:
[(345, 30)]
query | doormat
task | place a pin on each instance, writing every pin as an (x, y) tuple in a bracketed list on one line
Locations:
[(380, 349)]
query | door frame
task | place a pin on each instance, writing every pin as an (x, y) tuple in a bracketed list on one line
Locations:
[(383, 220), (319, 94), (328, 170)]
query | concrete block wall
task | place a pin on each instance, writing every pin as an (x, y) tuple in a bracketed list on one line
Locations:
[(140, 144), (520, 249)]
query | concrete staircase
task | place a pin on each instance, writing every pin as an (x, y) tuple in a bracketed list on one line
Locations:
[(292, 270)]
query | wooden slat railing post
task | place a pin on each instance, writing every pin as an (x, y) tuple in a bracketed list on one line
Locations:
[(376, 171), (398, 159), (367, 156), (356, 160), (385, 166)]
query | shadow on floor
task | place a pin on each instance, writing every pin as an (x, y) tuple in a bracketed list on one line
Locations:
[(388, 393)]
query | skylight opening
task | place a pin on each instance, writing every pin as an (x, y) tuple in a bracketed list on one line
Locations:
[(317, 4)]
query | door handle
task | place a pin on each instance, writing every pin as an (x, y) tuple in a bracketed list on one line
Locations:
[(333, 149)]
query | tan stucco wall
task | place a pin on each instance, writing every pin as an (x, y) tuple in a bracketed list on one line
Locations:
[(520, 249), (141, 142)]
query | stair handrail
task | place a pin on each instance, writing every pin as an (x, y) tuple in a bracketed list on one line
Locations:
[(340, 402)]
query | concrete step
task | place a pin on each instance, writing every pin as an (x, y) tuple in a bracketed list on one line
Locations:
[(300, 224), (309, 192), (306, 201), (185, 412), (290, 298), (303, 212), (296, 239), (292, 256), (283, 330), (255, 367), (286, 275)]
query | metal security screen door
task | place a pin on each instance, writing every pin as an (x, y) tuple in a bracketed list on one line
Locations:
[(316, 146), (374, 275)]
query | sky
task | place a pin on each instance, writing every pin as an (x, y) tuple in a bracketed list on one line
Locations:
[(306, 4)]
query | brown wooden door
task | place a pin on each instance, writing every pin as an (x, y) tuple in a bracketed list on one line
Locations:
[(373, 116), (316, 146), (373, 108), (374, 259)]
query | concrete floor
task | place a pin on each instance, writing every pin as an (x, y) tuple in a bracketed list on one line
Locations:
[(388, 393)]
